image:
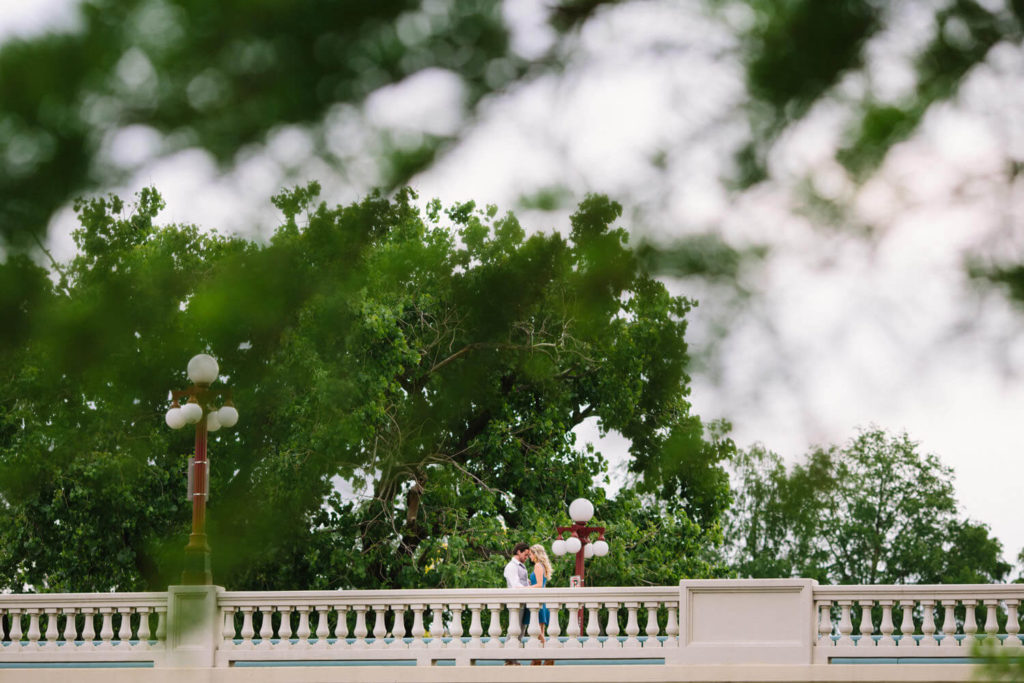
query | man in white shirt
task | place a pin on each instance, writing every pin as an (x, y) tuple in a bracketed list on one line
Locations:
[(516, 576)]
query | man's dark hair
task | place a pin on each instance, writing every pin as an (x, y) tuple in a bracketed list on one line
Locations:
[(520, 547)]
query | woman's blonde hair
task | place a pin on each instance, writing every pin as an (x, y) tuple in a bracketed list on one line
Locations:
[(542, 557)]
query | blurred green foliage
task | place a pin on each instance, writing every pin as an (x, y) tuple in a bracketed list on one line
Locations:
[(797, 51), (223, 76), (964, 33), (217, 76), (438, 362), (873, 512)]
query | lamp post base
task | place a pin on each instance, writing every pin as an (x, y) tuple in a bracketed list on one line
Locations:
[(197, 562)]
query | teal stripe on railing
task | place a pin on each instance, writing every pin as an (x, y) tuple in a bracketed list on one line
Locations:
[(446, 639), (329, 662), (76, 665), (918, 637), (438, 662)]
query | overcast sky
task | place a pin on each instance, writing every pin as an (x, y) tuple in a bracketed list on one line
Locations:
[(841, 331)]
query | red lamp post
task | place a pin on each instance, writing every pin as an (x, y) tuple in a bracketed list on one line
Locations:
[(200, 409), (581, 511)]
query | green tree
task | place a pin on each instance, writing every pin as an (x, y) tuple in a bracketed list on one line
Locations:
[(439, 362), (874, 511)]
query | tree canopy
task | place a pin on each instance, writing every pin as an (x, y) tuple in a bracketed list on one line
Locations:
[(875, 511), (413, 360), (439, 361)]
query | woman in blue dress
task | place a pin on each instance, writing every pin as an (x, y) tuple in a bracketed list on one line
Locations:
[(539, 579)]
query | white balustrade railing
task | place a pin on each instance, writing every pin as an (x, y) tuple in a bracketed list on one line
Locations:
[(71, 627), (459, 624), (915, 621), (720, 622)]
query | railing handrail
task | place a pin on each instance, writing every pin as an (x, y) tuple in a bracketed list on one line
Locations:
[(921, 591), (42, 600), (468, 595)]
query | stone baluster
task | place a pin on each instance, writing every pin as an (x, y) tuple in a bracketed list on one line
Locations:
[(533, 630), (33, 627), (283, 632), (970, 624), (322, 630), (886, 627), (51, 625), (1012, 624), (14, 615), (928, 623), (949, 624), (611, 628), (845, 623), (161, 625), (124, 629), (632, 626), (341, 628), (227, 632), (455, 630), (867, 628), (515, 627), (825, 623), (436, 626), (88, 628), (991, 622), (380, 628), (302, 630), (493, 624), (573, 626), (672, 626), (247, 627), (418, 629), (476, 626), (593, 626), (360, 629), (907, 624), (143, 631), (107, 630), (398, 627), (652, 625), (68, 632), (266, 626), (554, 628)]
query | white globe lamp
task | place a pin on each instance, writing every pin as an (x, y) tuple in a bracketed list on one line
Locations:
[(228, 416), (600, 548), (203, 369), (581, 510), (558, 547), (212, 422), (174, 418), (573, 545), (192, 413), (588, 550)]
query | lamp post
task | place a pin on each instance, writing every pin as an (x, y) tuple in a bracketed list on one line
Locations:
[(201, 410), (581, 511)]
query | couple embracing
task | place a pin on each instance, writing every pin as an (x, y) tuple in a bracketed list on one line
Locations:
[(518, 576)]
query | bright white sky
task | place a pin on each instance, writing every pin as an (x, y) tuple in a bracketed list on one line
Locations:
[(841, 331)]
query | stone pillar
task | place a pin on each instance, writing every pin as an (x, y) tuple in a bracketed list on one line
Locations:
[(193, 627), (745, 621)]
